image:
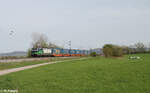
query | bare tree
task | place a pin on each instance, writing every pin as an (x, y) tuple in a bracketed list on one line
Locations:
[(52, 45), (39, 40), (126, 49), (140, 47), (149, 46)]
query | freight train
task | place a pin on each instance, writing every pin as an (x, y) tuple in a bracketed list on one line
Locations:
[(57, 52)]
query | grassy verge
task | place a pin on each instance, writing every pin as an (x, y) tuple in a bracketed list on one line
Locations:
[(11, 57), (21, 64), (94, 75)]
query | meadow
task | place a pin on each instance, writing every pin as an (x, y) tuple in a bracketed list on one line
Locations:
[(9, 65), (93, 75)]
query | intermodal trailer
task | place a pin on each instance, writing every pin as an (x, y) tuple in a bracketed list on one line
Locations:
[(73, 52), (83, 52), (66, 52), (57, 52), (78, 53)]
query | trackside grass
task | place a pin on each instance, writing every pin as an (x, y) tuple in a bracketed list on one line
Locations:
[(94, 75), (8, 65)]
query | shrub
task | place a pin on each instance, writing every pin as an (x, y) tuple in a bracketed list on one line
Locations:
[(117, 51), (29, 53), (93, 54), (110, 50)]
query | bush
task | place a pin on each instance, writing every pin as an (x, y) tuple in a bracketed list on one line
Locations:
[(110, 50), (11, 57), (117, 51), (93, 54), (29, 53)]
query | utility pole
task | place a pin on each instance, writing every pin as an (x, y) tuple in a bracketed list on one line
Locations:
[(70, 45)]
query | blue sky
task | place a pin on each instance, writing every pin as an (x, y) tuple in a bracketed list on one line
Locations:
[(87, 23)]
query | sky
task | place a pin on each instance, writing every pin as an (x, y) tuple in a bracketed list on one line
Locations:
[(86, 23)]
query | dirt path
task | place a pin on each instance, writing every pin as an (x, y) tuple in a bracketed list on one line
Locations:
[(7, 71), (28, 59)]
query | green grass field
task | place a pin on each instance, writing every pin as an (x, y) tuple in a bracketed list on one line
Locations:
[(94, 75), (9, 65)]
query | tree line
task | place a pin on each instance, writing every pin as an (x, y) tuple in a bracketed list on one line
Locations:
[(118, 51)]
